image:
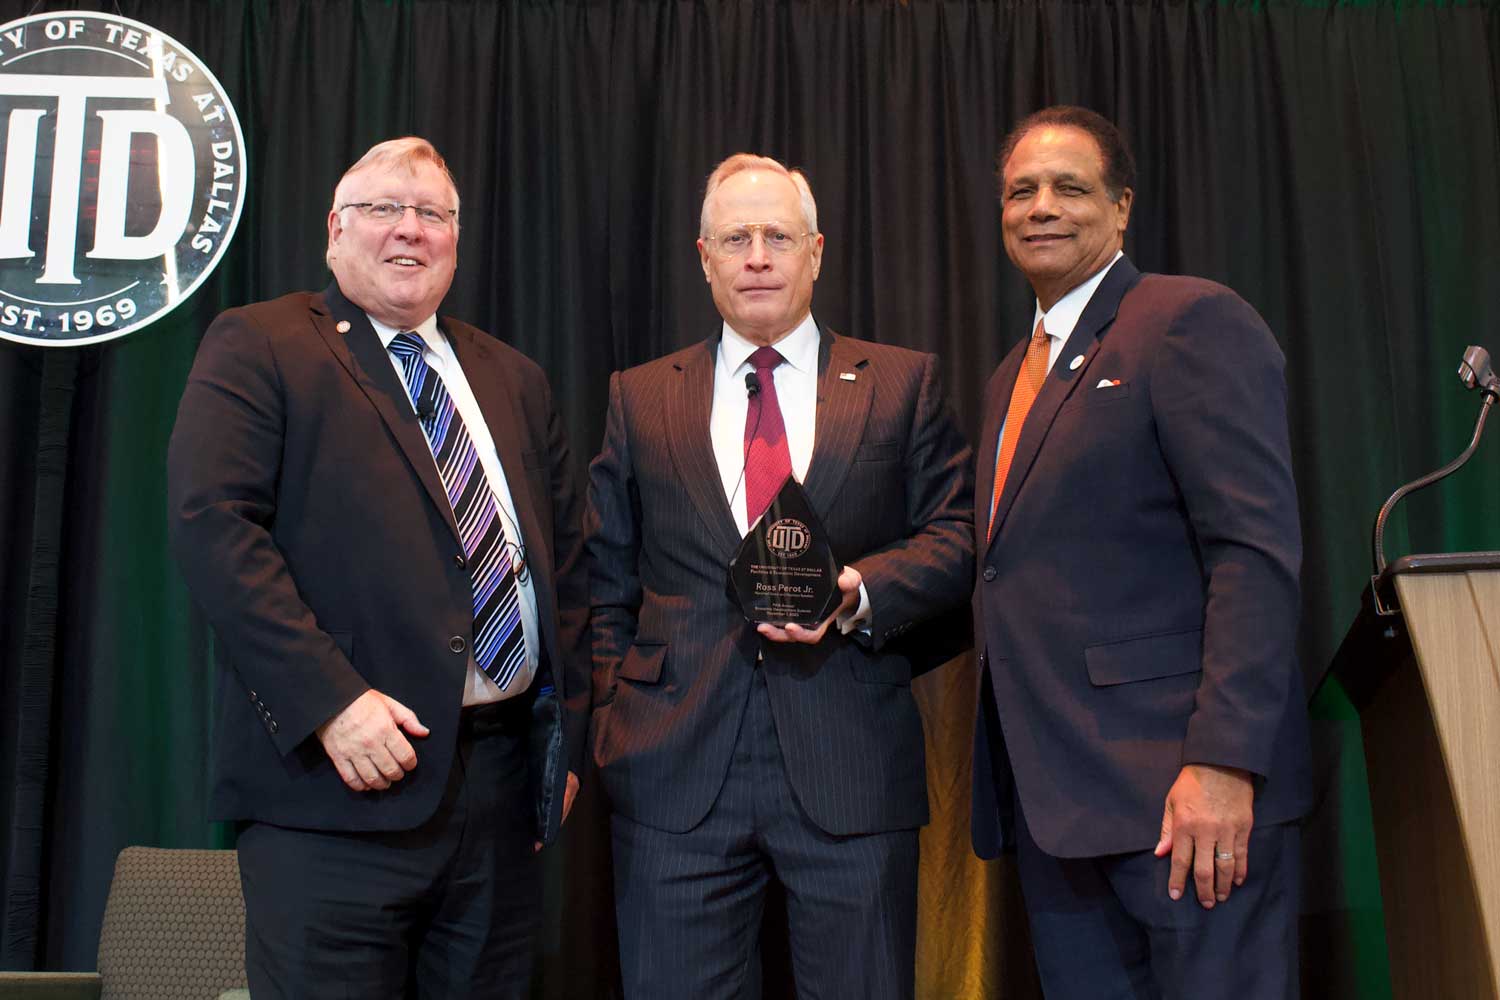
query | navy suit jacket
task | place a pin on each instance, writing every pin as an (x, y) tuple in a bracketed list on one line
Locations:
[(1136, 606), (313, 528), (673, 657)]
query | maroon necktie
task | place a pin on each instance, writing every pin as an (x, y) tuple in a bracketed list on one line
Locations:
[(768, 461)]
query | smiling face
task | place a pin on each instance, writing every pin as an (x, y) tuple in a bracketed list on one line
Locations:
[(761, 294), (1059, 221), (397, 273)]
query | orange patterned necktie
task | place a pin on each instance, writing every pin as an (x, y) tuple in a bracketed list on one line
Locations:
[(1028, 383)]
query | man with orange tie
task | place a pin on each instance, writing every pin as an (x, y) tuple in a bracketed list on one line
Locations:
[(1142, 735), (734, 753)]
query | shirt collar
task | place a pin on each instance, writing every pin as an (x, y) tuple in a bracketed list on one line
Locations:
[(799, 348), (427, 330), (1060, 320)]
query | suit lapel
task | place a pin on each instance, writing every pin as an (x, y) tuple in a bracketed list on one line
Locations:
[(494, 388), (361, 353), (689, 408), (843, 406), (1063, 379)]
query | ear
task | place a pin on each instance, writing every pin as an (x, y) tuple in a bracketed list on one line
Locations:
[(335, 230), (1122, 210), (817, 255), (708, 270)]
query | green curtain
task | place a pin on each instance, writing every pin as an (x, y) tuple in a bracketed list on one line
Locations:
[(1334, 163)]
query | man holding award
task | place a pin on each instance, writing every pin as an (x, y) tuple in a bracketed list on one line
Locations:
[(772, 511)]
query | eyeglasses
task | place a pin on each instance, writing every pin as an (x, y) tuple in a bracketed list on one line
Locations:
[(388, 213), (736, 238)]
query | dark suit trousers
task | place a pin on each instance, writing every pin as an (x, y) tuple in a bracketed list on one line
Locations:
[(1105, 929), (449, 909), (690, 904)]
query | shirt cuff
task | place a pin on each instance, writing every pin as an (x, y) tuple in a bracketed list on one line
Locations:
[(860, 619)]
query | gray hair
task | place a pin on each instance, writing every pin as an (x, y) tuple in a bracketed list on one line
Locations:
[(741, 162), (405, 153)]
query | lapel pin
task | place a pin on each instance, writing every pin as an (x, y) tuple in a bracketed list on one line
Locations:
[(342, 326), (1076, 363), (847, 376)]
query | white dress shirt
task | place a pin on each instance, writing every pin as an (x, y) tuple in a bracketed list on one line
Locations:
[(1059, 321), (796, 393), (438, 354), (796, 381)]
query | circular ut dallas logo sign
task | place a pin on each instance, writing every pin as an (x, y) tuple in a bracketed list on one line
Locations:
[(123, 176)]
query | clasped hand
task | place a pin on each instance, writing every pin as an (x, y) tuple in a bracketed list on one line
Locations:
[(849, 581), (367, 743)]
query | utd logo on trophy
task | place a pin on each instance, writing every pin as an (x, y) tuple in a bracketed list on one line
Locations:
[(788, 538), (123, 176)]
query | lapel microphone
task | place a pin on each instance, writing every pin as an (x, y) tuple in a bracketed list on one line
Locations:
[(426, 403), (752, 389)]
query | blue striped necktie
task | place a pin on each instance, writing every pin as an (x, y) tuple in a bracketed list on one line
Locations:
[(499, 642)]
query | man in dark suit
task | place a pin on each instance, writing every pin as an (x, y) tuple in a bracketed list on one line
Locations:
[(1142, 733), (374, 507), (734, 754)]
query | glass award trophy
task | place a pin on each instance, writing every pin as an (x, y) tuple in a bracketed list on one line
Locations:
[(784, 572)]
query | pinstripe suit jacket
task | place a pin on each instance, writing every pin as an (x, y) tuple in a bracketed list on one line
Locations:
[(673, 656)]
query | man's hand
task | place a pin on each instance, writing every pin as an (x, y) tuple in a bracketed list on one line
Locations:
[(366, 743), (1206, 828), (568, 796), (849, 581)]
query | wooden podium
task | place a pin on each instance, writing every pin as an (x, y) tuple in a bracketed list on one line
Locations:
[(1422, 665)]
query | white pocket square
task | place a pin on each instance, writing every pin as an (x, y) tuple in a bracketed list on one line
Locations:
[(1108, 383)]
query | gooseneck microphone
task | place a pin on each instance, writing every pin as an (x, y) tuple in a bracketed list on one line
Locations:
[(752, 389), (1475, 372)]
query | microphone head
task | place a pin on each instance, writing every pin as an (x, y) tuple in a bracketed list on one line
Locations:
[(752, 384), (1475, 370), (425, 409)]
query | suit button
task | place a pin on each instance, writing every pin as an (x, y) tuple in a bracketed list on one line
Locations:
[(457, 644), (458, 561), (989, 573)]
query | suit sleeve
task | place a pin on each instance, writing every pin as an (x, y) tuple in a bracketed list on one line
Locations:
[(570, 576), (613, 530), (223, 463), (931, 570), (1218, 392)]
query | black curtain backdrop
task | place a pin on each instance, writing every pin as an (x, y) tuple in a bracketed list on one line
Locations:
[(1334, 163)]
